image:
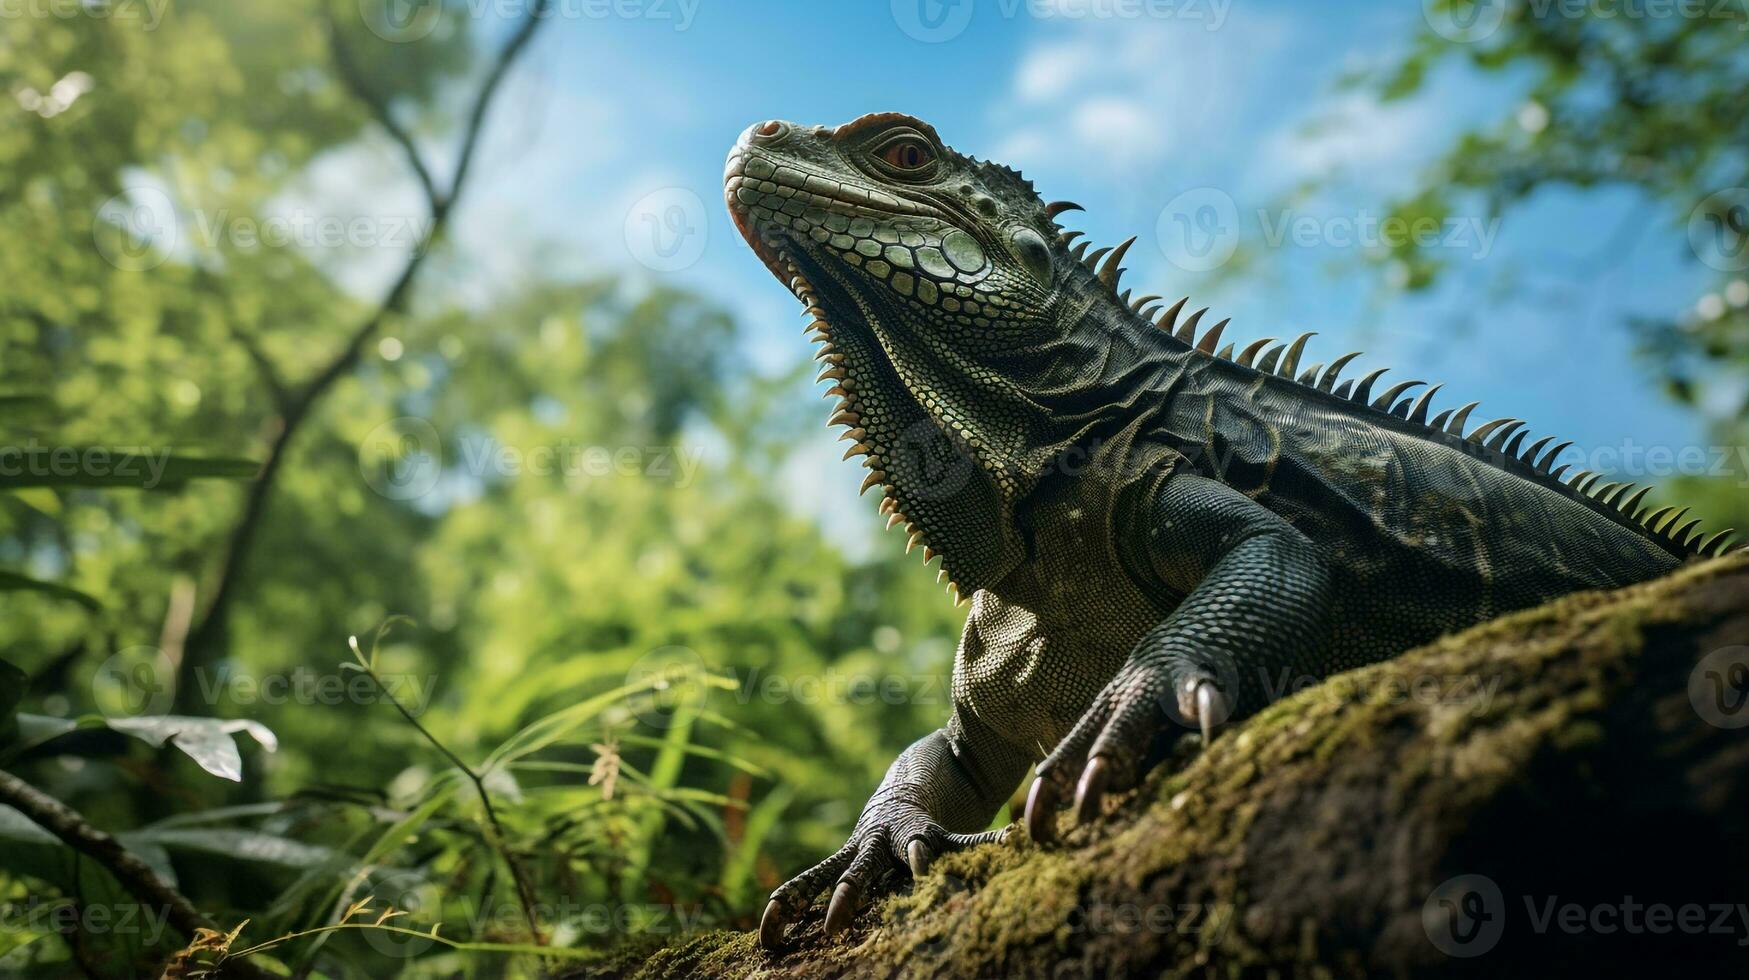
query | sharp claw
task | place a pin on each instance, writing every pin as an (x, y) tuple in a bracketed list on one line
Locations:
[(1211, 709), (1041, 811), (842, 908), (918, 853), (771, 925), (1091, 789)]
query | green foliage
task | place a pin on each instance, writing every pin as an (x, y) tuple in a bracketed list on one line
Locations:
[(640, 688), (1651, 101)]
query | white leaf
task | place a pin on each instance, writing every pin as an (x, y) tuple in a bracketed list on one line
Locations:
[(205, 740)]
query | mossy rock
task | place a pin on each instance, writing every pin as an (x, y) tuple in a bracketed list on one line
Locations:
[(1550, 793)]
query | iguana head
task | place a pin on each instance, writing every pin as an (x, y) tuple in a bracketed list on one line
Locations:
[(935, 283)]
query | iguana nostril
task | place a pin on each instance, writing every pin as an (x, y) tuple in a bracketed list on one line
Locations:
[(770, 128)]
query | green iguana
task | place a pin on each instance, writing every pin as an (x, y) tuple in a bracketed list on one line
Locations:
[(1157, 533)]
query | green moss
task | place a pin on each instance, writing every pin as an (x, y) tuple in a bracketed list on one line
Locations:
[(1305, 840)]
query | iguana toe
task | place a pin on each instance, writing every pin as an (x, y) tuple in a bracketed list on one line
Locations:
[(1091, 789), (771, 925), (1205, 705), (917, 855), (1041, 810), (843, 906)]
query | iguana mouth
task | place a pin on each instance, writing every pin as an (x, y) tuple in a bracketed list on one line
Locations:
[(789, 255)]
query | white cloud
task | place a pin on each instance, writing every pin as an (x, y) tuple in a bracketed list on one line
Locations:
[(1122, 93), (1123, 126), (1045, 72), (1354, 133)]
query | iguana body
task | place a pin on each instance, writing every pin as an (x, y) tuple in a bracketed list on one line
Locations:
[(1156, 532)]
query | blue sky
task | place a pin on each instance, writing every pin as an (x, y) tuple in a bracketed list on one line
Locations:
[(610, 141)]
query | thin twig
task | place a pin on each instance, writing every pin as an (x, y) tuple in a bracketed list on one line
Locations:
[(495, 830), (207, 639), (134, 874), (379, 109)]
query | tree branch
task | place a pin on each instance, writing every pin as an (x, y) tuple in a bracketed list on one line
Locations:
[(208, 638), (135, 875), (379, 108)]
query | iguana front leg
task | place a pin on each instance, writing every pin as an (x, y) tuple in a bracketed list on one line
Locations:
[(1255, 594), (936, 797)]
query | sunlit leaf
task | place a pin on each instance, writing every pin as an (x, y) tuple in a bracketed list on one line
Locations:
[(96, 466), (207, 741)]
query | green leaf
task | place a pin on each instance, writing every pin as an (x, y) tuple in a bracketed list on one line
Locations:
[(14, 582), (43, 500), (243, 845), (702, 751), (20, 403), (398, 834), (220, 814), (97, 466), (551, 728), (205, 740), (41, 728), (761, 820), (664, 775)]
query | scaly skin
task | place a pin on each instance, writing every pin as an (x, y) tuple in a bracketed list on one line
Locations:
[(1155, 535)]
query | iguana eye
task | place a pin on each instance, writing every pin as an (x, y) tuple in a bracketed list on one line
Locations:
[(907, 154)]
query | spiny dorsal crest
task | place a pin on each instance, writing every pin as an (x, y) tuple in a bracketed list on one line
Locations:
[(1503, 439)]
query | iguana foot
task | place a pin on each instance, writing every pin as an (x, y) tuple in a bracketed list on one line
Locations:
[(890, 834), (1106, 748)]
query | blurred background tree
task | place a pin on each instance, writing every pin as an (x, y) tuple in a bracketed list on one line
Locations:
[(536, 577)]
